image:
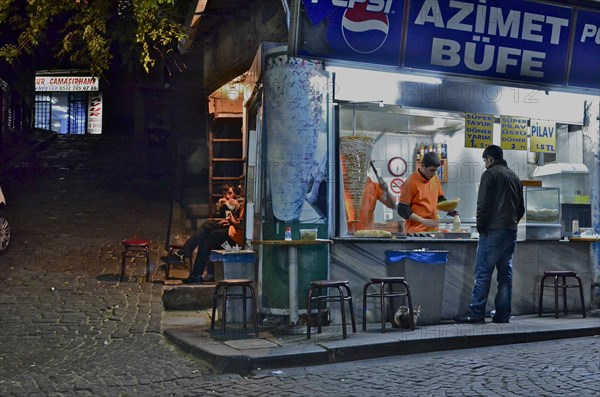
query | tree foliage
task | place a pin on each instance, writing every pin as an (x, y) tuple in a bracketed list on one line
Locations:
[(92, 33)]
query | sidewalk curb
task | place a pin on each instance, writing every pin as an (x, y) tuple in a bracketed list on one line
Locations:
[(368, 344)]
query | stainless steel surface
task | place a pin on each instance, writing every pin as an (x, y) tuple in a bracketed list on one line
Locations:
[(368, 118), (542, 231)]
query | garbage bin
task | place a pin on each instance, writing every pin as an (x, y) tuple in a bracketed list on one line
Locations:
[(235, 265), (424, 272)]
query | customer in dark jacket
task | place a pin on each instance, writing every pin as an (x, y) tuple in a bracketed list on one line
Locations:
[(500, 206)]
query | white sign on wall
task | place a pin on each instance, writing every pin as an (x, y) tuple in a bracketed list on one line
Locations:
[(66, 83), (95, 113)]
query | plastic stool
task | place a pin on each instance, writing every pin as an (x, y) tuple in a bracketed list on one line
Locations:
[(135, 248), (344, 294), (563, 274), (174, 247), (225, 296), (382, 295)]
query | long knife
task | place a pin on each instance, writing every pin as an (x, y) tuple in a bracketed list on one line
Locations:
[(375, 170)]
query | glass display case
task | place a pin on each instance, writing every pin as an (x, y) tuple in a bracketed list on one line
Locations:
[(542, 214)]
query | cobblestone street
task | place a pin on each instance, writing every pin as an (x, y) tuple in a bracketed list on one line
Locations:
[(68, 327)]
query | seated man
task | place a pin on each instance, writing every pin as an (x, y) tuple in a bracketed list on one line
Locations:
[(229, 201), (227, 205)]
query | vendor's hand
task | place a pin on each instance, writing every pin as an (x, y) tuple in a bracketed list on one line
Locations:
[(224, 222), (453, 213), (431, 223)]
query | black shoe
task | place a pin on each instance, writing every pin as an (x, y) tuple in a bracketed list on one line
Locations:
[(469, 320), (500, 321), (192, 280), (174, 258), (210, 278)]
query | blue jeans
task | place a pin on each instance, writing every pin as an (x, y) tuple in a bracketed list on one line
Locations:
[(202, 240), (494, 251), (212, 241)]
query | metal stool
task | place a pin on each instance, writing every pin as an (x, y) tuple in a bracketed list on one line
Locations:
[(344, 294), (382, 295), (174, 247), (226, 296), (135, 248), (563, 274)]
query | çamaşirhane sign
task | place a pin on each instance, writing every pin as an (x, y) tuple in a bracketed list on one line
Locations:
[(66, 83)]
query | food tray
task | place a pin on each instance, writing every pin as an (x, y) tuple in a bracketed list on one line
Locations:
[(592, 239), (452, 235)]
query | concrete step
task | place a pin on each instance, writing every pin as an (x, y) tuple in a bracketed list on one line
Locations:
[(188, 297), (177, 296)]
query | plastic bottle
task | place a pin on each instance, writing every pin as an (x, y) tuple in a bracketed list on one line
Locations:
[(288, 233), (575, 227), (456, 223)]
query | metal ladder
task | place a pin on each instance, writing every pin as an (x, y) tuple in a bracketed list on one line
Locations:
[(223, 160)]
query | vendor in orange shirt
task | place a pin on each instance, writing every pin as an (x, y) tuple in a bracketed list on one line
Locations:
[(420, 194), (372, 193)]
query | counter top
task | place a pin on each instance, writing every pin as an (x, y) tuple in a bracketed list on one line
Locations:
[(292, 242), (397, 239), (428, 240), (589, 239)]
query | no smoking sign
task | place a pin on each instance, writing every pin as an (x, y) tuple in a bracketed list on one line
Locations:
[(396, 185)]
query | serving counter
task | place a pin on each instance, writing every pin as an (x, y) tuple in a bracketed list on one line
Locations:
[(358, 260)]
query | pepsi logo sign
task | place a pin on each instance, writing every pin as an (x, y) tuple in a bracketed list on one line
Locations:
[(363, 30), (372, 5)]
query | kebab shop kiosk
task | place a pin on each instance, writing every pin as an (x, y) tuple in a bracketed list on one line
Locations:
[(326, 119)]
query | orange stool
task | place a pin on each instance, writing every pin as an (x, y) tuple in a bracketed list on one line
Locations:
[(563, 274), (344, 294), (138, 249)]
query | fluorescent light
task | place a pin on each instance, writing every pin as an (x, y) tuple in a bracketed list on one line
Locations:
[(383, 75), (419, 79)]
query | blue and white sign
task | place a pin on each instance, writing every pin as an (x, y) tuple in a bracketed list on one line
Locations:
[(585, 63), (532, 42), (504, 39), (355, 30)]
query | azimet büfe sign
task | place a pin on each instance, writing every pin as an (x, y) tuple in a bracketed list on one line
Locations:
[(510, 40)]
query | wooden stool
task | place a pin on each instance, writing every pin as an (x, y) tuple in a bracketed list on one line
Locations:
[(563, 274), (135, 248), (172, 248), (344, 294), (382, 295), (225, 296)]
